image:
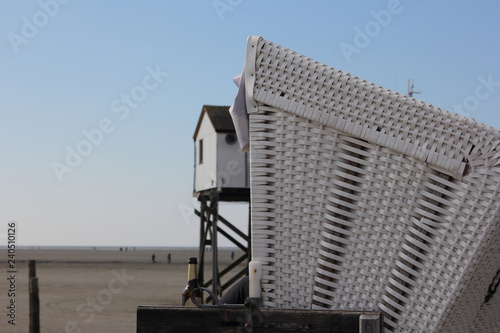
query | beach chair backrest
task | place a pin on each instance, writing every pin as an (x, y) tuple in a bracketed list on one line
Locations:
[(366, 199)]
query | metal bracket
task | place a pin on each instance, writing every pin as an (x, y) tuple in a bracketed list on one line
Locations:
[(252, 305)]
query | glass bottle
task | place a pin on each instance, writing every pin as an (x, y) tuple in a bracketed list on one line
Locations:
[(192, 284)]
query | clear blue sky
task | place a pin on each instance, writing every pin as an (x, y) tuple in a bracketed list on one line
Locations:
[(66, 67)]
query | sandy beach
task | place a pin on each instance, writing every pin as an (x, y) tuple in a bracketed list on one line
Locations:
[(96, 290)]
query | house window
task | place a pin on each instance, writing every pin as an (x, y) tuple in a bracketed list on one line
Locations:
[(200, 150)]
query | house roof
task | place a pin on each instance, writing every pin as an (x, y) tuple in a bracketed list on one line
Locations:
[(219, 116)]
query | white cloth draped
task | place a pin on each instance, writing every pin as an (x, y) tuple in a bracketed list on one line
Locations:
[(239, 113)]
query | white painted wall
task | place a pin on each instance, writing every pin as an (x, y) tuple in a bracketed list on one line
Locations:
[(232, 166), (224, 165), (205, 173)]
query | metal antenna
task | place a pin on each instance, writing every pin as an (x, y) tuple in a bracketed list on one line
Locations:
[(410, 89)]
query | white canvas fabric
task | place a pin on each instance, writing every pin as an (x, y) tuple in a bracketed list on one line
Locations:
[(239, 113)]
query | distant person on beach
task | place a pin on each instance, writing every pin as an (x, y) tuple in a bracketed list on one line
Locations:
[(168, 258), (232, 255), (153, 257)]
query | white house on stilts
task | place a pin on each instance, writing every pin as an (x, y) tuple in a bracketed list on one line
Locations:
[(221, 173)]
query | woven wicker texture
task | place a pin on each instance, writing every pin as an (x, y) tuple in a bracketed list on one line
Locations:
[(366, 199)]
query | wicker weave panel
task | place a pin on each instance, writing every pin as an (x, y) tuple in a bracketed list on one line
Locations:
[(365, 199), (297, 84)]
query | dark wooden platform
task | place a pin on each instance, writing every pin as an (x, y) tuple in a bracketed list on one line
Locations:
[(166, 319)]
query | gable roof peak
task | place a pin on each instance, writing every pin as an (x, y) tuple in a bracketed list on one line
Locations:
[(219, 116)]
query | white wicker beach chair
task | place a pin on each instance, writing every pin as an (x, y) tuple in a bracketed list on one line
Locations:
[(366, 199)]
